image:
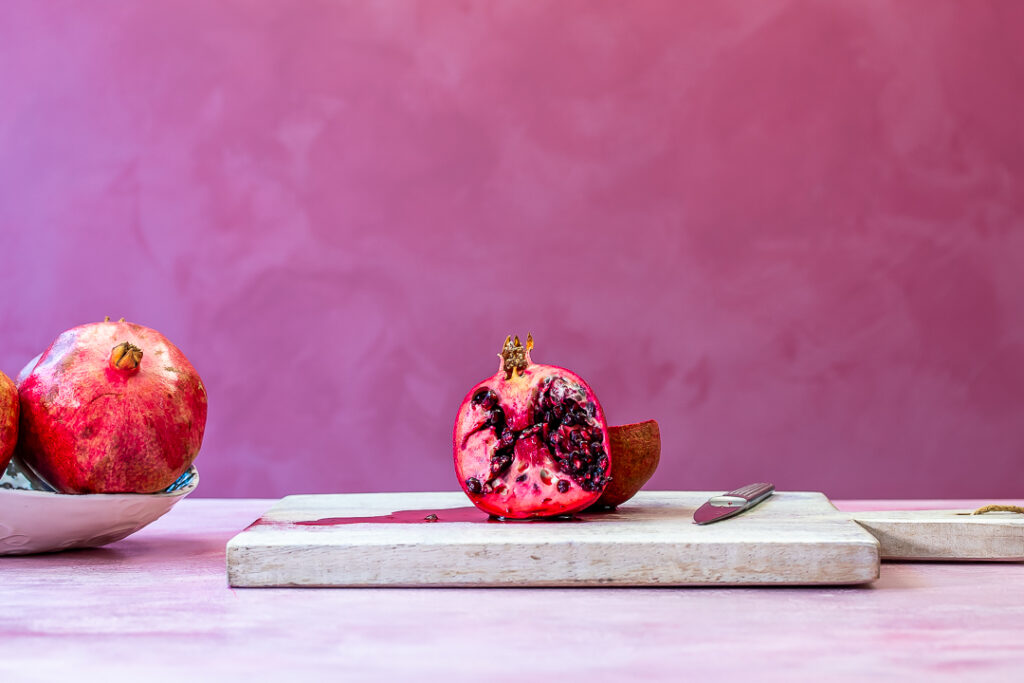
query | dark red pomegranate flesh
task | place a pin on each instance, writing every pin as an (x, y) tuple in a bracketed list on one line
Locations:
[(9, 410), (531, 441), (111, 407)]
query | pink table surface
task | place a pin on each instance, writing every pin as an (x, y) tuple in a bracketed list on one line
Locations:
[(156, 606)]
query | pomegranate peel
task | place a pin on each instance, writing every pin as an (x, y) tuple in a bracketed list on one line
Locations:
[(531, 441), (636, 451), (9, 410)]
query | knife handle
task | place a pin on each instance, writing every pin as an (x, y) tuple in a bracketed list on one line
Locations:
[(752, 491), (741, 497)]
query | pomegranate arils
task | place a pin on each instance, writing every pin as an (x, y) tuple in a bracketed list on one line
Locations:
[(486, 398), (574, 438)]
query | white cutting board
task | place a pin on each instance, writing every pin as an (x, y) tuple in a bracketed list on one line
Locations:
[(945, 534), (793, 538)]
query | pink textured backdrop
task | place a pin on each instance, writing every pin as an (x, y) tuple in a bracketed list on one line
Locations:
[(790, 231)]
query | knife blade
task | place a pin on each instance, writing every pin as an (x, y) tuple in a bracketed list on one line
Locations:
[(732, 503)]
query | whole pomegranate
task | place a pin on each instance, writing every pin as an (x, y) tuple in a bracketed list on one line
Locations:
[(8, 420), (531, 441), (111, 407)]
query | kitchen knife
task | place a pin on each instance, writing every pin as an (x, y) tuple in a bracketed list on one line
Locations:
[(732, 503)]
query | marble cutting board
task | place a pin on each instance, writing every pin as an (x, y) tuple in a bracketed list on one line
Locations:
[(386, 539)]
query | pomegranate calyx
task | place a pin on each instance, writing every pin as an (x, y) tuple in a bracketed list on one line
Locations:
[(515, 357), (125, 357)]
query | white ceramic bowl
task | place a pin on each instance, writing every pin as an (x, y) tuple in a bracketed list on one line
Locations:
[(35, 519)]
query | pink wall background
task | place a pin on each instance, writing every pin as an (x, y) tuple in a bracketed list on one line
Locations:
[(793, 232)]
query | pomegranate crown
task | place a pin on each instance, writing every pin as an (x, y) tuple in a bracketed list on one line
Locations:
[(514, 356), (125, 356)]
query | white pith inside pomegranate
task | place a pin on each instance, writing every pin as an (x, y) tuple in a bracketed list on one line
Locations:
[(531, 441)]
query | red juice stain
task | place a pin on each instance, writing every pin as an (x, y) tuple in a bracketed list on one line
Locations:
[(465, 514)]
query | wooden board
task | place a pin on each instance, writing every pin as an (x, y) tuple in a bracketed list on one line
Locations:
[(790, 539), (945, 534)]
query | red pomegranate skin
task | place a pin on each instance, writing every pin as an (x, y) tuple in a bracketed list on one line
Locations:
[(90, 425), (535, 473), (9, 410)]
